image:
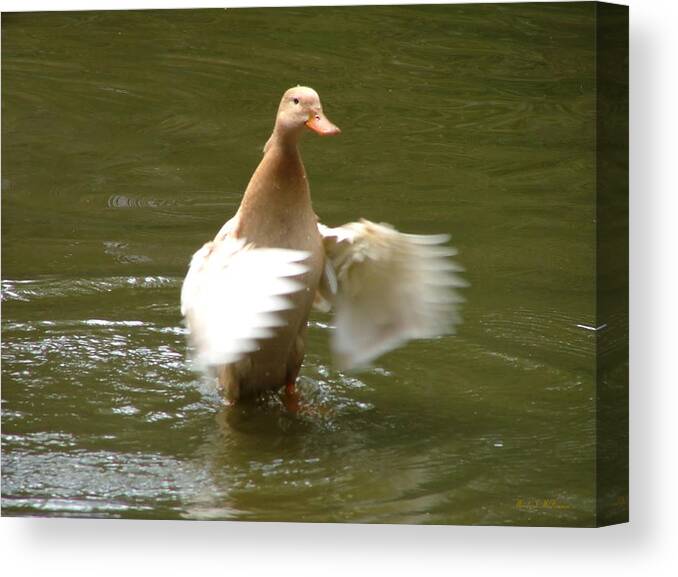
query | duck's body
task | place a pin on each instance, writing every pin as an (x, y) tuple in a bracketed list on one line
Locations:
[(249, 292), (276, 212)]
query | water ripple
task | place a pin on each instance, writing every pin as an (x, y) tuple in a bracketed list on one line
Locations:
[(28, 290)]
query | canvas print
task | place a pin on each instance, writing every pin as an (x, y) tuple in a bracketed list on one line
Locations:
[(359, 264)]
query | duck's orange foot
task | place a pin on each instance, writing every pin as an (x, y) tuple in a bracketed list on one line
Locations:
[(291, 398)]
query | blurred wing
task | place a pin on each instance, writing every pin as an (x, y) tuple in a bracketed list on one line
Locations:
[(390, 287), (233, 295)]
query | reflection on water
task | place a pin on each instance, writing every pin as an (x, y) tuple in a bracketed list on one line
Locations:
[(128, 138)]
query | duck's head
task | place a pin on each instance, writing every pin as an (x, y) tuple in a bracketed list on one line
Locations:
[(300, 108)]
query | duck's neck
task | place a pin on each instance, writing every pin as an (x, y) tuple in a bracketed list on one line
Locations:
[(278, 188)]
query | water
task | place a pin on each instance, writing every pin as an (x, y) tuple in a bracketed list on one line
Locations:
[(127, 140)]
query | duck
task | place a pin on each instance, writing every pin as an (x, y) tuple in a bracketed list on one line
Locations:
[(248, 293)]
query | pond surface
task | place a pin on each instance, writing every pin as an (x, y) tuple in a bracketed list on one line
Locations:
[(128, 139)]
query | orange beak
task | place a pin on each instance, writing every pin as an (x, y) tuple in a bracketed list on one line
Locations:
[(319, 123)]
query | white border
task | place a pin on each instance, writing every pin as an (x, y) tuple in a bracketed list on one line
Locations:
[(643, 547)]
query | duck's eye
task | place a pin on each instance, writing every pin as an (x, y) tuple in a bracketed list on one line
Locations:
[(296, 101)]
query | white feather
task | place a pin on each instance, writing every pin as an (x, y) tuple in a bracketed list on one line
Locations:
[(392, 287), (232, 296)]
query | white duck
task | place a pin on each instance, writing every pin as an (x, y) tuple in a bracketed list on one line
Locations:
[(248, 293)]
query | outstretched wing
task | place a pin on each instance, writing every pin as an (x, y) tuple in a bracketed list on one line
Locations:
[(390, 287), (233, 295)]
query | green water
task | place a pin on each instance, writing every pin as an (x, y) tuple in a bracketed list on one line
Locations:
[(127, 140)]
